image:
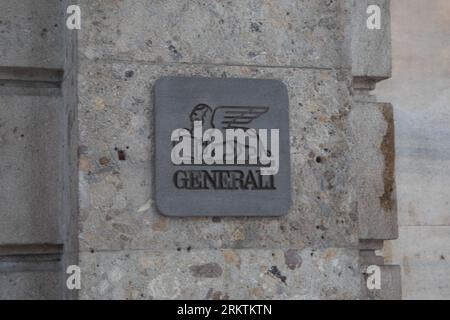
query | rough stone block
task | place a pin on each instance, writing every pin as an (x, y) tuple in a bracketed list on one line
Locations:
[(30, 286), (422, 143), (374, 155), (390, 288), (222, 274), (70, 208), (371, 48), (281, 33), (116, 153), (31, 34), (29, 169)]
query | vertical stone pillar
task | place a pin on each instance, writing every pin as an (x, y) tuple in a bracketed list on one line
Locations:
[(69, 133), (374, 150), (31, 71)]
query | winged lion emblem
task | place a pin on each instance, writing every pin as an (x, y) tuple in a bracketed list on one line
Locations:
[(224, 117)]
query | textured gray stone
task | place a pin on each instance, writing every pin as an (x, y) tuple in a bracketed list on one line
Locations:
[(30, 286), (30, 34), (371, 48), (374, 155), (117, 209), (374, 149), (30, 169), (390, 284), (221, 274), (32, 76), (69, 179), (250, 32), (128, 249)]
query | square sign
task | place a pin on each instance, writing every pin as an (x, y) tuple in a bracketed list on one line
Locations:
[(222, 147)]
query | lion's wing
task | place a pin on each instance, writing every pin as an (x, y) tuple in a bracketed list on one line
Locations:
[(236, 117)]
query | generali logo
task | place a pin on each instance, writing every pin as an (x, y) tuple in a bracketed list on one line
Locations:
[(222, 147), (223, 136)]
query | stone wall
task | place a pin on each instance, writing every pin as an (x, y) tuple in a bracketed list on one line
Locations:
[(128, 250), (31, 71), (341, 145)]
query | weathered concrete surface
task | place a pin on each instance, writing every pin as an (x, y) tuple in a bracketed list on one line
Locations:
[(30, 285), (222, 274), (69, 138), (30, 271), (30, 34), (31, 60), (374, 156), (251, 32), (371, 48), (374, 148), (419, 90), (128, 250), (116, 205), (29, 190), (390, 283)]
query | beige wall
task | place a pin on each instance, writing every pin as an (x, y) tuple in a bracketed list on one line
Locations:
[(420, 92)]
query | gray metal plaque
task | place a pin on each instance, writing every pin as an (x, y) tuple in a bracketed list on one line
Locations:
[(222, 147)]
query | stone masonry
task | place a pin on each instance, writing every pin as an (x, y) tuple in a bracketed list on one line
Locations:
[(76, 111)]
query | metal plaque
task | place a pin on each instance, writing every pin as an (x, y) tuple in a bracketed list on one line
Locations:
[(222, 147)]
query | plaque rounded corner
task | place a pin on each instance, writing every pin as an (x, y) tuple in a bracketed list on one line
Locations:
[(280, 86), (160, 82), (162, 209)]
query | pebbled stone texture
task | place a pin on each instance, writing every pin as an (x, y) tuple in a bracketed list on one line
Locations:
[(371, 48), (31, 285), (250, 32), (221, 274), (29, 169), (129, 250), (116, 149), (374, 155), (31, 34)]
